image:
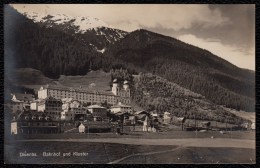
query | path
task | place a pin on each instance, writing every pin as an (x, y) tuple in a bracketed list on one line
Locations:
[(70, 130), (189, 142)]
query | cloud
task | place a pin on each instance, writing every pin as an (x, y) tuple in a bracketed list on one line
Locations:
[(130, 17), (241, 57)]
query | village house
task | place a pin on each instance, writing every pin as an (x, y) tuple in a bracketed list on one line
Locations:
[(20, 101), (99, 113), (72, 109), (120, 107), (51, 107), (26, 98), (14, 106)]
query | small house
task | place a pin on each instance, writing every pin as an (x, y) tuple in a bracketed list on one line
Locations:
[(82, 128)]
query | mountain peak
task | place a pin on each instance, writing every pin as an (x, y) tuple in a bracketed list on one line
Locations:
[(80, 23)]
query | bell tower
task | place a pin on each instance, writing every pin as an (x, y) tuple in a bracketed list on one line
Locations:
[(126, 88), (115, 87)]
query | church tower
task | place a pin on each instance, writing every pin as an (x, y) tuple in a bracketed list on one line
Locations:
[(126, 88), (115, 87)]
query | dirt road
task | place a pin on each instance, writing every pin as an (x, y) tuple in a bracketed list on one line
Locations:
[(189, 142)]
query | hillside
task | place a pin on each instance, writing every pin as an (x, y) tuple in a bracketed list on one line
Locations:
[(97, 80), (190, 67), (56, 52), (167, 97), (33, 79), (177, 100)]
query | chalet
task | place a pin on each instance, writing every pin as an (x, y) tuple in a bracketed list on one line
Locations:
[(154, 114), (72, 109), (99, 113), (26, 98), (120, 107), (14, 106), (19, 102), (178, 120)]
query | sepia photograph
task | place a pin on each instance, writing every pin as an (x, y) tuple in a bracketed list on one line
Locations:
[(129, 84)]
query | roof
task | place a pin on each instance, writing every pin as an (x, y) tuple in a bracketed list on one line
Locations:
[(15, 101), (66, 100), (42, 101), (32, 115), (120, 105), (84, 90), (131, 117), (182, 119), (121, 113), (24, 97), (205, 122), (95, 106), (141, 112)]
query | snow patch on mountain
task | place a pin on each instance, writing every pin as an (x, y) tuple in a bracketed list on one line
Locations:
[(82, 23), (102, 51)]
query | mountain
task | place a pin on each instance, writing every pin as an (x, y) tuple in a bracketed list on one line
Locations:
[(189, 66), (169, 96), (66, 22), (56, 51), (92, 32)]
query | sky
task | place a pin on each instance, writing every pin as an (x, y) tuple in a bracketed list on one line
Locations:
[(227, 31)]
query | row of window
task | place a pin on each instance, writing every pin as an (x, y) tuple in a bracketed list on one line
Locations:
[(86, 99), (77, 94), (52, 112), (52, 108), (66, 115)]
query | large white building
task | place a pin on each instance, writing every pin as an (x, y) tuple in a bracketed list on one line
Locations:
[(118, 94)]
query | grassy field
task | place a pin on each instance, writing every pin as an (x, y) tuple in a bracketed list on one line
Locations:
[(195, 155), (246, 115), (100, 153), (98, 80)]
